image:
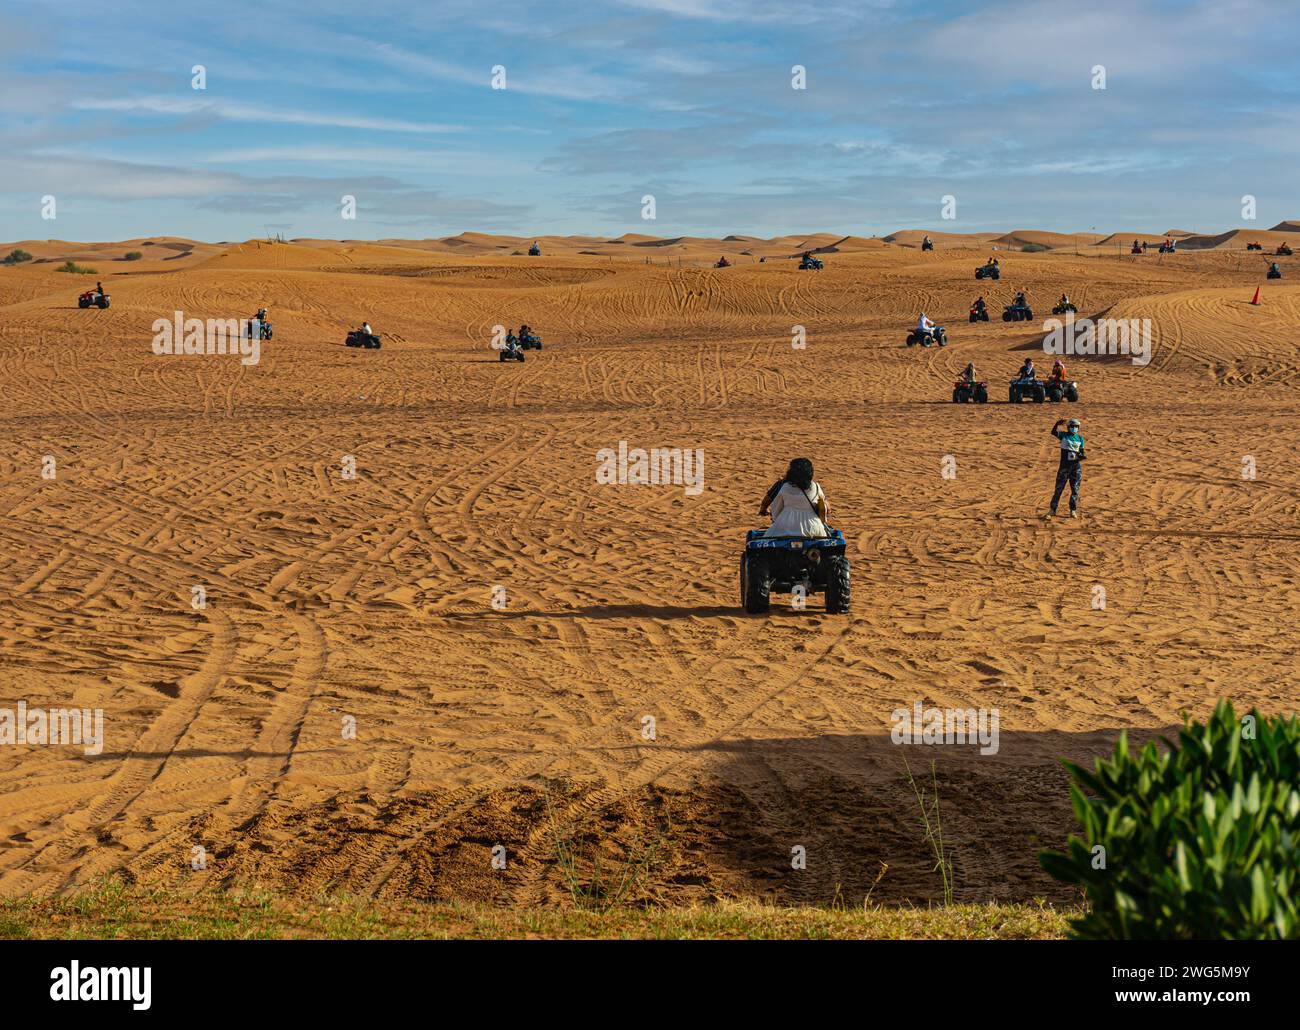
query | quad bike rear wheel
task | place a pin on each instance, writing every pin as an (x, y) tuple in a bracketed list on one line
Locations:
[(981, 395), (755, 583), (839, 592), (1072, 393)]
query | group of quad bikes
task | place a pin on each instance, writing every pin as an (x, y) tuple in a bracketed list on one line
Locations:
[(1022, 388)]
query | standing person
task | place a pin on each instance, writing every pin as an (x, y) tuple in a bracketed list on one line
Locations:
[(1071, 467)]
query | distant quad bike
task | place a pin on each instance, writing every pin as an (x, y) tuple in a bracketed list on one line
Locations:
[(988, 272), (1254, 246), (534, 251), (786, 564), (1284, 249), (1027, 387), (1275, 273), (927, 245), (91, 299), (1136, 249), (978, 314), (722, 263), (1017, 313), (512, 351), (356, 338), (1061, 309), (530, 341), (263, 330), (1062, 389), (964, 392), (937, 335), (1168, 248), (808, 263)]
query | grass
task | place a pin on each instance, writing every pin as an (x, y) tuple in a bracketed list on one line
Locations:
[(72, 266), (111, 909), (933, 826)]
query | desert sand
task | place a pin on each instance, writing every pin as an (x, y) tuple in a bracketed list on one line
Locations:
[(370, 599)]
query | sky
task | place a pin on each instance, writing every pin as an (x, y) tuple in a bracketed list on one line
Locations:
[(688, 101)]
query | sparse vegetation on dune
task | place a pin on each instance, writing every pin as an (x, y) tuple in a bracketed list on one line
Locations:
[(113, 910)]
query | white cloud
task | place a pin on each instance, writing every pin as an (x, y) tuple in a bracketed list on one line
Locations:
[(241, 112)]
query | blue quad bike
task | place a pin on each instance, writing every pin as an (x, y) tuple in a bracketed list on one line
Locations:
[(783, 564), (810, 264), (529, 340), (1027, 388)]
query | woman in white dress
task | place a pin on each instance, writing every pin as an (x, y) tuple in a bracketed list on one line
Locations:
[(797, 503)]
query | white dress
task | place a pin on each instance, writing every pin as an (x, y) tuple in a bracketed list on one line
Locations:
[(794, 512)]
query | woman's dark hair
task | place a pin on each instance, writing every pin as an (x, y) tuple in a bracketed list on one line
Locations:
[(800, 473)]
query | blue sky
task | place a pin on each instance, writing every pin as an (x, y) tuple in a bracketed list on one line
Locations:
[(687, 100)]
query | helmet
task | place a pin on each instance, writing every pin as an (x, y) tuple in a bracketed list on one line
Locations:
[(1072, 424)]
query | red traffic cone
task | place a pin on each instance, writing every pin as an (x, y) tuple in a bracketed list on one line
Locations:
[(1256, 300)]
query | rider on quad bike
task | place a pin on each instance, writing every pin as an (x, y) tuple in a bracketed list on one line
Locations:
[(979, 305), (1058, 371), (968, 373), (925, 327), (1027, 370)]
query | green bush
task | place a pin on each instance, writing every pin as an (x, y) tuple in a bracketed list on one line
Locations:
[(1033, 248), (72, 266), (1202, 840), (132, 255), (16, 256)]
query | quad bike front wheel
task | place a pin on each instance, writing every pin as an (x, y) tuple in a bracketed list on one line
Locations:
[(755, 584), (1072, 394), (981, 395), (839, 592)]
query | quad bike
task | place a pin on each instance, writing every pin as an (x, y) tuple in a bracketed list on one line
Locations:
[(928, 338), (530, 341), (1061, 309), (793, 564), (1284, 249), (1017, 313), (807, 264), (356, 338), (92, 299), (927, 245), (1062, 389), (964, 392), (1254, 246), (1168, 248), (1030, 387), (534, 251), (512, 351), (988, 272), (1275, 273), (978, 314), (722, 263), (1136, 249), (263, 329)]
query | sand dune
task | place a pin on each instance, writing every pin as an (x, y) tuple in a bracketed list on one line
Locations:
[(368, 601)]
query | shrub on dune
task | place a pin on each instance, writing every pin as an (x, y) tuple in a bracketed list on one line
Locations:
[(15, 257), (1200, 841)]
